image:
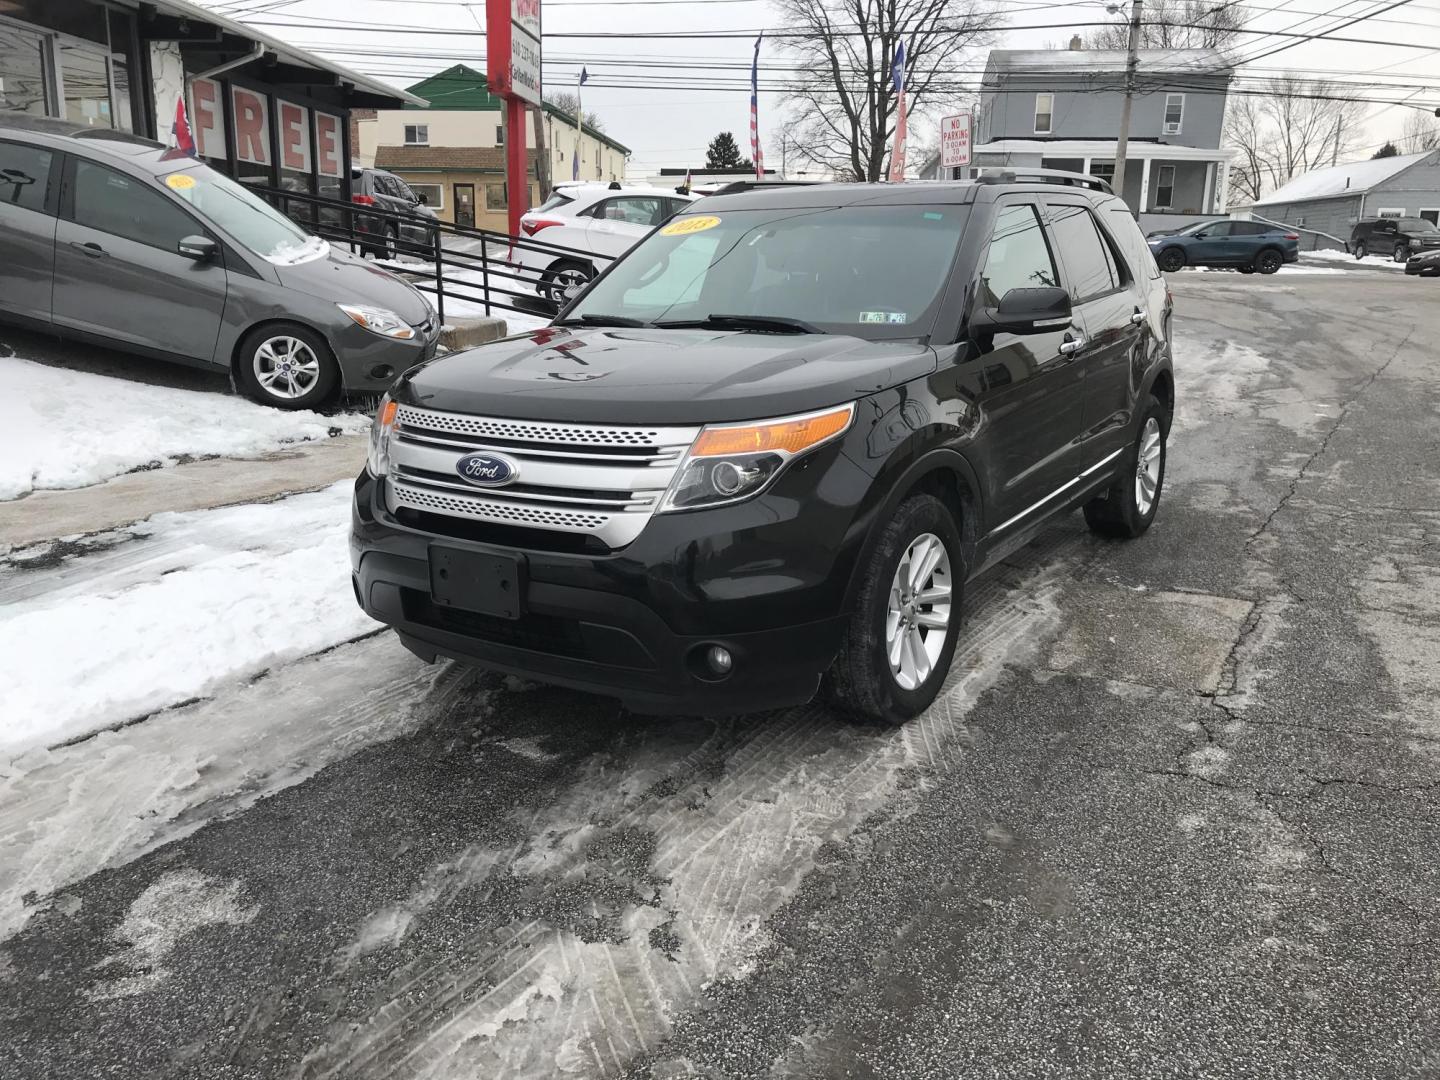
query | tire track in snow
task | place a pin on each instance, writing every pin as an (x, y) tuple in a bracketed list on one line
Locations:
[(738, 813)]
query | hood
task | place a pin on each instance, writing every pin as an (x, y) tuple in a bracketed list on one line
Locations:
[(656, 376), (346, 279)]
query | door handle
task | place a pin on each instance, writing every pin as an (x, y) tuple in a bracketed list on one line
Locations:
[(1071, 345), (1138, 318), (89, 248)]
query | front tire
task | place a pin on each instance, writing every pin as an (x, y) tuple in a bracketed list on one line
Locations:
[(1172, 260), (287, 366), (901, 637), (1401, 252), (1128, 507)]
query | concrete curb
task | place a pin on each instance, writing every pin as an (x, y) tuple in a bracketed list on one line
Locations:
[(466, 333)]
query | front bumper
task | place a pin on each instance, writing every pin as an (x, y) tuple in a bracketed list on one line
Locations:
[(635, 624), (370, 363), (1425, 263)]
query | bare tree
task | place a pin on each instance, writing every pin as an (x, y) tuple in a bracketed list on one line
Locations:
[(1294, 126), (1422, 132), (1174, 24), (842, 100), (568, 102)]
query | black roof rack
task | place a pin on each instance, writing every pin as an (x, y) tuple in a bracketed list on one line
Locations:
[(737, 186), (1044, 176)]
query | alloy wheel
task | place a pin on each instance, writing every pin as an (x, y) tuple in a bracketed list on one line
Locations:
[(565, 279), (917, 617), (1360, 250), (286, 367), (1147, 467), (1401, 252)]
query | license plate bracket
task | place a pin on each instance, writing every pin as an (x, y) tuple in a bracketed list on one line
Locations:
[(487, 583)]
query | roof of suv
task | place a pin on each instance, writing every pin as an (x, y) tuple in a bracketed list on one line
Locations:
[(928, 192), (48, 131)]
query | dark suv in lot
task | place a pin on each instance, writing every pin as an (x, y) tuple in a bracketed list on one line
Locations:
[(769, 446), (1398, 237)]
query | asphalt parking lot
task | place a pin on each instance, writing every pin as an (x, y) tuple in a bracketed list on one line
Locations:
[(1174, 816)]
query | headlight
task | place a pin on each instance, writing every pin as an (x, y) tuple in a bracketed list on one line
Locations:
[(379, 321), (732, 462), (378, 460)]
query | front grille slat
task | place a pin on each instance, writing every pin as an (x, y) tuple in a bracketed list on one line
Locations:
[(587, 479)]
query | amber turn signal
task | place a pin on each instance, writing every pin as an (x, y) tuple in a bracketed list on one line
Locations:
[(791, 435)]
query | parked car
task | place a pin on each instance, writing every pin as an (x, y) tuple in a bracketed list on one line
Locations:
[(1248, 246), (412, 231), (589, 220), (1424, 263), (1398, 237), (715, 481), (112, 238)]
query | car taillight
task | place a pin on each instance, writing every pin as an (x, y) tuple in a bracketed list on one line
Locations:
[(532, 227), (1292, 236), (363, 200)]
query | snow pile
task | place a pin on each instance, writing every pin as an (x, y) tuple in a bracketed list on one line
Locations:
[(1332, 255), (69, 429), (224, 594)]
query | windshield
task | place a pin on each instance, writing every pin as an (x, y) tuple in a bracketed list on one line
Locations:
[(871, 271), (247, 218), (1416, 227)]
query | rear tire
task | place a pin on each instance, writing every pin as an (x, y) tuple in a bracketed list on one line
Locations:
[(1171, 260), (1360, 250), (311, 378), (1269, 261), (1127, 509), (900, 609), (1246, 269)]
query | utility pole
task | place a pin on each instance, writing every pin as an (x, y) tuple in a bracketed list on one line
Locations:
[(1132, 61)]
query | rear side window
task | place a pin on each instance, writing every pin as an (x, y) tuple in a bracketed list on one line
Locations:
[(1018, 257), (123, 206), (1118, 223), (1087, 259), (24, 175), (556, 200)]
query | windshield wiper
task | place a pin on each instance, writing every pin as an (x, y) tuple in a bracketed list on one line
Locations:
[(600, 320), (775, 324)]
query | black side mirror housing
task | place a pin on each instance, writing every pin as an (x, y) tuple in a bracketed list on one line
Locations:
[(1029, 311), (199, 248)]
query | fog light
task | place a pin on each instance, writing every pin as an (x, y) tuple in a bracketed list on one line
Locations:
[(382, 371), (719, 659)]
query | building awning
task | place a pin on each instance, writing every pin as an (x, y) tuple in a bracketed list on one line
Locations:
[(385, 94)]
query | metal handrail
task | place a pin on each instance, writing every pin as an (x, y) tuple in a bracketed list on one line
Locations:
[(502, 280)]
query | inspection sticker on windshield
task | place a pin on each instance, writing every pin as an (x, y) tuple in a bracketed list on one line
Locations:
[(686, 225), (180, 181), (882, 316)]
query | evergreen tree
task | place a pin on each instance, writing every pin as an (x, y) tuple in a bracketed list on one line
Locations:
[(724, 153), (1388, 150)]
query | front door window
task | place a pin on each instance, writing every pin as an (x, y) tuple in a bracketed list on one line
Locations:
[(465, 205)]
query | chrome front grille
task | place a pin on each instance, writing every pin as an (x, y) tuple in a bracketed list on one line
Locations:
[(601, 480)]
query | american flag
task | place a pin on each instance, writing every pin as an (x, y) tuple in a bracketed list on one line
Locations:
[(756, 154), (897, 153)]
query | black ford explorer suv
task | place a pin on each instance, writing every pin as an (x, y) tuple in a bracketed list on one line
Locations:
[(768, 447)]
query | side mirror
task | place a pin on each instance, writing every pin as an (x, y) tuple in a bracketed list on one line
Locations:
[(1030, 311), (199, 248), (573, 291)]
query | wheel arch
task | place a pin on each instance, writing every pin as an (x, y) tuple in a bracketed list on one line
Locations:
[(942, 473), (1162, 387)]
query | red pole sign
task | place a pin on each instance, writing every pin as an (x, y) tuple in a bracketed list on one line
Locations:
[(512, 47)]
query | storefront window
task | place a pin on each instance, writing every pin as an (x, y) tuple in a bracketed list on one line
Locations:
[(22, 70), (293, 128), (86, 82), (250, 118)]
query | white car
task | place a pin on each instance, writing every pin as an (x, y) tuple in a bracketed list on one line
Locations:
[(589, 220)]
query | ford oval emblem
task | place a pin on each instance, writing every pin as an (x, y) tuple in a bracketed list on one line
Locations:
[(487, 470)]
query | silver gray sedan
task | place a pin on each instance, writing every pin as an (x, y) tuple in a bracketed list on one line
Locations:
[(112, 238)]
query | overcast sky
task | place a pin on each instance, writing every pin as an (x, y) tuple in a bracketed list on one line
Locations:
[(672, 127)]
